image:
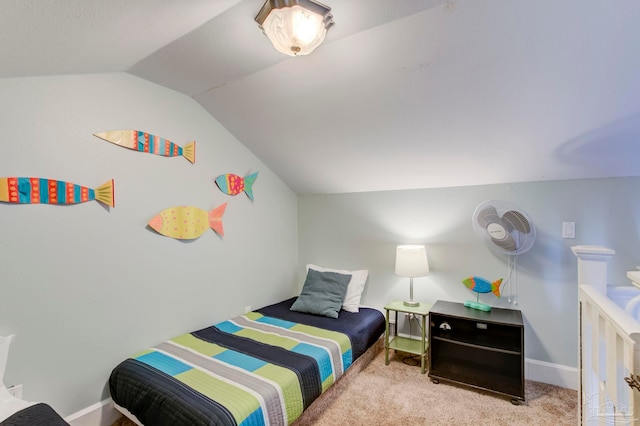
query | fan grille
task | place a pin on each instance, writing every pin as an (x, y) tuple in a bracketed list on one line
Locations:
[(518, 221), (504, 227)]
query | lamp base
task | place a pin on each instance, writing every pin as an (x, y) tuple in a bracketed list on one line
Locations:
[(411, 303)]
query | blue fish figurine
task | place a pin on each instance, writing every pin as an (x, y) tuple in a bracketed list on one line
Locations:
[(480, 285)]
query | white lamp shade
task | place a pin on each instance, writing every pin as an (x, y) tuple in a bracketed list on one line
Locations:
[(411, 261)]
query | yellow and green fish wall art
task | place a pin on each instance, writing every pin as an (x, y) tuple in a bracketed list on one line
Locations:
[(188, 222), (34, 190), (145, 142), (232, 184)]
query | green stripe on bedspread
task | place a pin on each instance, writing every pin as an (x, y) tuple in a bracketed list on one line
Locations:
[(331, 349), (252, 390)]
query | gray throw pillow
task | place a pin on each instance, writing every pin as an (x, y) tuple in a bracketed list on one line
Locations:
[(322, 293)]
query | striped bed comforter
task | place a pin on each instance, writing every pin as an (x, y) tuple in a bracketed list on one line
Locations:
[(261, 368)]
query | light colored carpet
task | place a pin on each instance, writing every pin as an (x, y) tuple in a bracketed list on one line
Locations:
[(399, 394)]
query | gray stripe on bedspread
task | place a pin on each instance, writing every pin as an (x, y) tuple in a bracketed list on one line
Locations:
[(332, 346), (268, 391)]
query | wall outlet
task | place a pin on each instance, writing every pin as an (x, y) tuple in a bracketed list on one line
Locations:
[(15, 391), (247, 309)]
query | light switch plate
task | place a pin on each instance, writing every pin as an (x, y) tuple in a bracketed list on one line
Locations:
[(568, 229)]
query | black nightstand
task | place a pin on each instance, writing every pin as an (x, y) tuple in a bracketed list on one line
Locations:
[(480, 349)]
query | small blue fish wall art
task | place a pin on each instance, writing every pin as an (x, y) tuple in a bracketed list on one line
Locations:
[(232, 184)]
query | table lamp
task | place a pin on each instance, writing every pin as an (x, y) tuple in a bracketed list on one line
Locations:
[(411, 261)]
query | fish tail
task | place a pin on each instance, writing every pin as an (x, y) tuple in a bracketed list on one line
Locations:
[(495, 287), (156, 223), (469, 282), (102, 135), (105, 193), (248, 184), (4, 189), (189, 152), (215, 219)]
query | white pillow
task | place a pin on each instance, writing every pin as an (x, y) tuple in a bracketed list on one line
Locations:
[(354, 289)]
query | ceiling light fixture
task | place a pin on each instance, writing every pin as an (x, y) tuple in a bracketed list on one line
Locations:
[(295, 27)]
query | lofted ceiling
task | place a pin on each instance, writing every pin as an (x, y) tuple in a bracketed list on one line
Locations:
[(403, 94)]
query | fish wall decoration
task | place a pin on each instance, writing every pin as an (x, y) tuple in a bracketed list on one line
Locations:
[(145, 142), (34, 190), (480, 285), (232, 184), (188, 222)]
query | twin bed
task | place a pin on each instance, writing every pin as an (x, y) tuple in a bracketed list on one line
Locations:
[(262, 368)]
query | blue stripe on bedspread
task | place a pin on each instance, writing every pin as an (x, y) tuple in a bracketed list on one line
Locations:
[(246, 362), (164, 363), (277, 322), (320, 355), (305, 367)]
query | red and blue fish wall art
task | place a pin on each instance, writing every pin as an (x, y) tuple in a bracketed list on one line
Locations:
[(145, 142), (34, 190), (188, 222), (232, 184)]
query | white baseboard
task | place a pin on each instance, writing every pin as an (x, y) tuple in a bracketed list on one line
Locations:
[(553, 374), (99, 414)]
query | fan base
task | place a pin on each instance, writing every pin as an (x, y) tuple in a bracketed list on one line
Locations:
[(411, 303), (478, 306)]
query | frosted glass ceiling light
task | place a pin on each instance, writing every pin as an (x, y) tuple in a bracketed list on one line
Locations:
[(295, 27)]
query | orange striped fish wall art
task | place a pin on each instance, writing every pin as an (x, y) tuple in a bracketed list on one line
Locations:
[(188, 222), (34, 190), (232, 184), (146, 142)]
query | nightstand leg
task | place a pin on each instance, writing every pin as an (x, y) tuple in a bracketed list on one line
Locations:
[(386, 340), (424, 344)]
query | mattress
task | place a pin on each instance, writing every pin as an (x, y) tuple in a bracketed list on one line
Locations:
[(262, 368)]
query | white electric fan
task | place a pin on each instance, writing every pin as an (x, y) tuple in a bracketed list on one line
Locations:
[(506, 229)]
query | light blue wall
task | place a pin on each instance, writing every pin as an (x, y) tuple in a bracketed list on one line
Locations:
[(85, 286), (354, 231)]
